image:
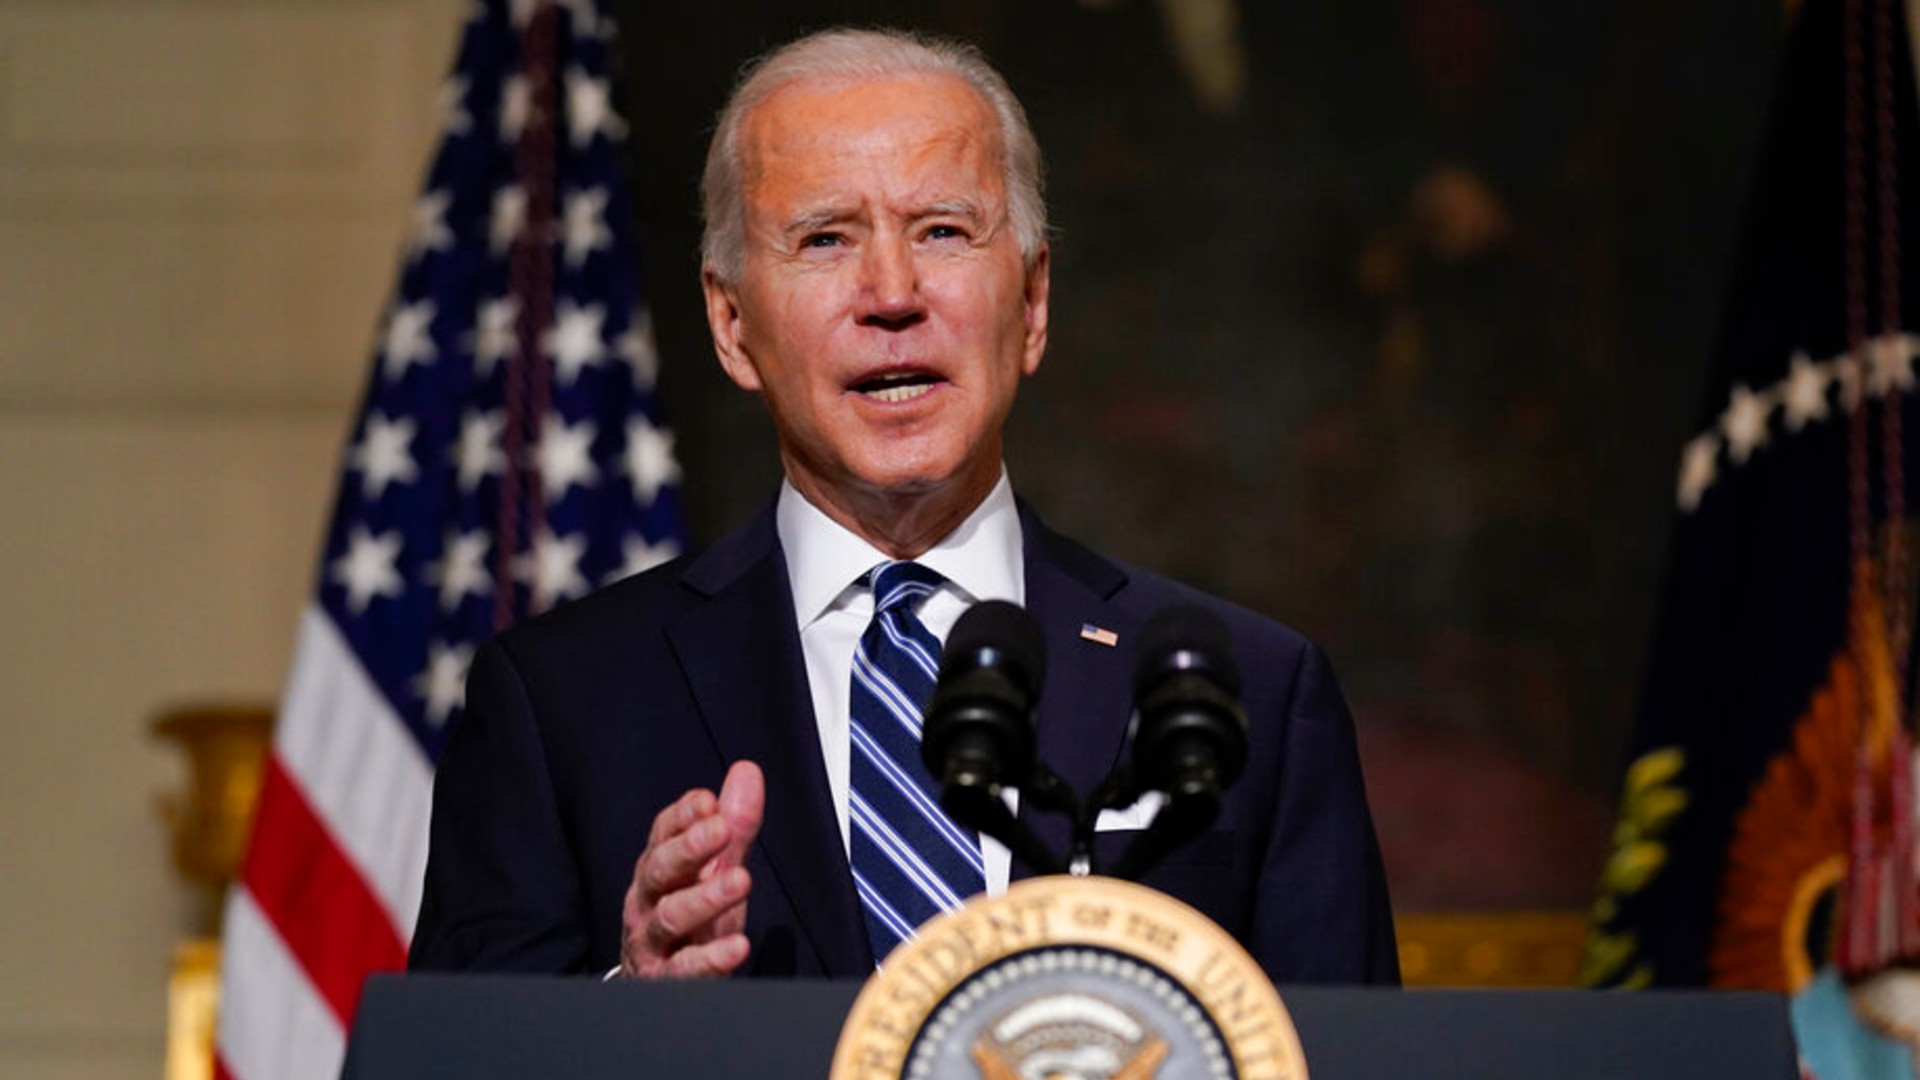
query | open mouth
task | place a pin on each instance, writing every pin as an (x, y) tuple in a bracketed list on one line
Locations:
[(897, 386)]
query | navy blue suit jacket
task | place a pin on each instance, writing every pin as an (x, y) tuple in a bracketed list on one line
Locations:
[(583, 724)]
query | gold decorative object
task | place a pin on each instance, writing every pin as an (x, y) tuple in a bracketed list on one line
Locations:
[(193, 996), (1069, 976), (1491, 949), (1652, 798), (226, 747)]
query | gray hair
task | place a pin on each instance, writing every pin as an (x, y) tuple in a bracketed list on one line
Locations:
[(858, 56)]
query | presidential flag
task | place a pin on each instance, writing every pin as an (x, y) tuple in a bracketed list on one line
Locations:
[(507, 457), (1766, 837)]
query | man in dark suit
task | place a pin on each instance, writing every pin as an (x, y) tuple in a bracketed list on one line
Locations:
[(875, 267)]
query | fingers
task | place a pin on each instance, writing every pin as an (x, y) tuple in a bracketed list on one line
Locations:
[(704, 959), (685, 810), (692, 914), (658, 925), (676, 862), (711, 960)]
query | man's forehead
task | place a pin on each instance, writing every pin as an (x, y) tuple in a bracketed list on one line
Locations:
[(824, 126)]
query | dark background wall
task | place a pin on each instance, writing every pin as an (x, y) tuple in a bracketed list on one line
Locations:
[(1395, 338)]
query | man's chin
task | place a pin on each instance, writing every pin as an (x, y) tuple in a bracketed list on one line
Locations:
[(903, 486), (899, 479), (902, 475), (904, 489)]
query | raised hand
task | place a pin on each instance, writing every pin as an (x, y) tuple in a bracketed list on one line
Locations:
[(685, 914)]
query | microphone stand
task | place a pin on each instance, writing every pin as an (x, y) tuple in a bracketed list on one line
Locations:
[(1183, 816), (1177, 821), (979, 806)]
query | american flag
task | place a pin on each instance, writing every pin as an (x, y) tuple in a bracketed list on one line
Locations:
[(505, 459)]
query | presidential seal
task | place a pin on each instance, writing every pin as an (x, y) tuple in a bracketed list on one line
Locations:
[(1070, 978)]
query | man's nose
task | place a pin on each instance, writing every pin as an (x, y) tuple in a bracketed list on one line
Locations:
[(890, 285)]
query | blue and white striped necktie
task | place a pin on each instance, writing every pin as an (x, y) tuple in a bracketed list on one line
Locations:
[(910, 861)]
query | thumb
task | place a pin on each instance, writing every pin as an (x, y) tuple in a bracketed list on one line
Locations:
[(743, 802)]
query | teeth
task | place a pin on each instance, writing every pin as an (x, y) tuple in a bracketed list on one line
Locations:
[(895, 394)]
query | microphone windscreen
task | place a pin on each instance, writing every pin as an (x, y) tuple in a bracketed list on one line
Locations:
[(995, 633), (1185, 638)]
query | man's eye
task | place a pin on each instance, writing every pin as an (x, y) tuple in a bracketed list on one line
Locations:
[(821, 240), (946, 232)]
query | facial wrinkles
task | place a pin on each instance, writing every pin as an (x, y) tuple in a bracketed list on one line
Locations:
[(862, 192), (871, 179)]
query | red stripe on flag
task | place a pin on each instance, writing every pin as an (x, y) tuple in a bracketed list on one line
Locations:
[(315, 897), (220, 1070)]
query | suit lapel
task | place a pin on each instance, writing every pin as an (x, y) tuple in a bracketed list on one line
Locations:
[(741, 655), (1088, 694)]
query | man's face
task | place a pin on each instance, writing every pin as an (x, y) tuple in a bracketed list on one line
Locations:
[(882, 307)]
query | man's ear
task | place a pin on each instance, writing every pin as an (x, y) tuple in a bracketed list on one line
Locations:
[(1039, 281), (724, 323)]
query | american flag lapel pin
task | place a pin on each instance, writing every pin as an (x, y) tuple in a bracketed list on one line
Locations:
[(1099, 635)]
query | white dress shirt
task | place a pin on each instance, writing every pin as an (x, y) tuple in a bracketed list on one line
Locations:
[(982, 559)]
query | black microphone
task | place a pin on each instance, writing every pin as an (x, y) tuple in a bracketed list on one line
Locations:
[(1189, 732), (979, 734), (979, 728)]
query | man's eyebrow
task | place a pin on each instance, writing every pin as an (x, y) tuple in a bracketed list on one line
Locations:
[(809, 220), (951, 208)]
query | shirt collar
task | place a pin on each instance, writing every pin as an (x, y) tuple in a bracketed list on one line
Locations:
[(982, 556)]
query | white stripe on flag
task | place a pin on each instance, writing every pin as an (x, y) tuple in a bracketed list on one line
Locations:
[(360, 769), (273, 1023)]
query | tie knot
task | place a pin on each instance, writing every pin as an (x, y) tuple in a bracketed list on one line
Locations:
[(898, 583)]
